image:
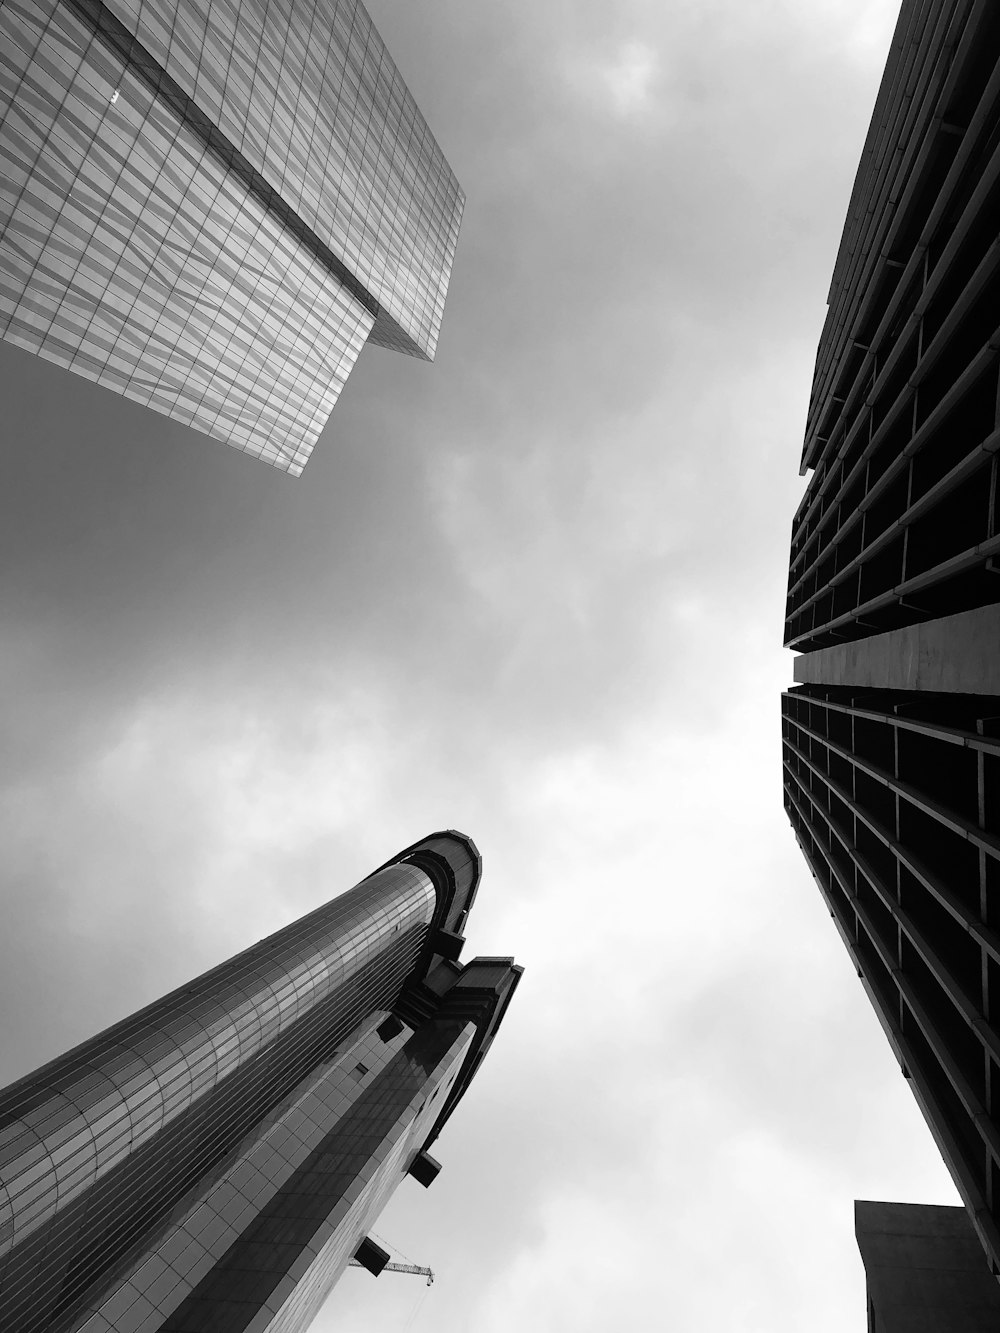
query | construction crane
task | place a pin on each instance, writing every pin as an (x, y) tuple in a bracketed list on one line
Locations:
[(401, 1268)]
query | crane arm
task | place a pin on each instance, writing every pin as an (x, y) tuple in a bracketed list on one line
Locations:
[(401, 1268)]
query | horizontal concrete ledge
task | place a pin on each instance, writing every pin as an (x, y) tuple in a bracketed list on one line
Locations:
[(957, 654)]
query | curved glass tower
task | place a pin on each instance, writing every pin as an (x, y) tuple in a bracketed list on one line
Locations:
[(215, 1161)]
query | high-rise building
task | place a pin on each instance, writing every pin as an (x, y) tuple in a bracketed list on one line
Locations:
[(925, 1270), (891, 738), (211, 205), (214, 1162)]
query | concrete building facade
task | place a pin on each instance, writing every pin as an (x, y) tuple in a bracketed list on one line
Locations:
[(891, 736), (925, 1270)]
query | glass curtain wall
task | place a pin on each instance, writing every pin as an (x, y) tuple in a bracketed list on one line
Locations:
[(97, 1148)]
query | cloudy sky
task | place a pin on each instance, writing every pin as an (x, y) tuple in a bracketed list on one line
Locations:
[(533, 592)]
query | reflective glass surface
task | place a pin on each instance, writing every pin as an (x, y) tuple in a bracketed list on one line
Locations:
[(201, 1230), (99, 1147), (218, 249), (279, 1271), (130, 255), (306, 90)]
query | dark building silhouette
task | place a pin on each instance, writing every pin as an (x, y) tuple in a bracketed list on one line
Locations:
[(215, 1161), (211, 205), (892, 734), (925, 1270)]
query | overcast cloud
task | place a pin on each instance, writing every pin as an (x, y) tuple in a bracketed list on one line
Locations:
[(533, 592)]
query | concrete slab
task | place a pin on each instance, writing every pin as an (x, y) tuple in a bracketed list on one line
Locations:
[(957, 654)]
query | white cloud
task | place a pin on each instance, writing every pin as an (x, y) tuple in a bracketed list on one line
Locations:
[(533, 592), (629, 78), (619, 78)]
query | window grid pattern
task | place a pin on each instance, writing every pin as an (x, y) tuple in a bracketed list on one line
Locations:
[(200, 1232), (895, 801), (361, 1170), (899, 520), (130, 255), (285, 1222), (98, 1147), (306, 90)]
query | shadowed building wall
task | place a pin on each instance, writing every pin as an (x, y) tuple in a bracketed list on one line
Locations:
[(215, 1160), (925, 1270), (210, 207), (891, 742)]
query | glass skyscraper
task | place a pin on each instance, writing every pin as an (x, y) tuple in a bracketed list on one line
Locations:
[(214, 1162), (211, 205)]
